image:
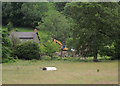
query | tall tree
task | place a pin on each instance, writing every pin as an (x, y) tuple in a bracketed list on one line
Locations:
[(6, 44), (6, 11), (33, 12), (60, 6), (96, 26), (56, 24), (12, 13), (23, 14)]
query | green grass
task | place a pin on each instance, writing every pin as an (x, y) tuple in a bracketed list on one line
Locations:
[(0, 74), (77, 59), (24, 29), (70, 70), (29, 72)]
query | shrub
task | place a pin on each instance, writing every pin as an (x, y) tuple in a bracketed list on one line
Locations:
[(107, 51), (57, 58), (69, 43), (42, 49), (8, 60), (5, 39), (5, 52), (27, 50), (49, 49), (6, 44), (15, 40), (9, 26), (47, 58)]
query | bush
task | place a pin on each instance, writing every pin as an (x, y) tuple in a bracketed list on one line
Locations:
[(8, 60), (5, 39), (69, 42), (49, 49), (15, 40), (6, 44), (107, 51), (9, 26), (5, 52), (42, 49), (27, 50), (47, 58), (57, 58)]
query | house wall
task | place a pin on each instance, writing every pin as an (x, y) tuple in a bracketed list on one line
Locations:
[(35, 39), (23, 40)]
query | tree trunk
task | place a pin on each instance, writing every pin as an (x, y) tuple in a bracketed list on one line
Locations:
[(95, 55), (95, 48)]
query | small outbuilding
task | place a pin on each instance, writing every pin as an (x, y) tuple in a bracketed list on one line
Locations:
[(25, 36)]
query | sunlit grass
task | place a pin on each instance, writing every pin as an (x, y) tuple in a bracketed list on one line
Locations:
[(29, 72)]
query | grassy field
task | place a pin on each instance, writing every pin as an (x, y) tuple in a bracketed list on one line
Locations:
[(0, 74), (29, 72)]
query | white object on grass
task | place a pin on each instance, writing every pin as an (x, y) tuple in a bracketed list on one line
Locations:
[(49, 68), (72, 49)]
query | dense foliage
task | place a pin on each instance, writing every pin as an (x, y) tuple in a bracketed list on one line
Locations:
[(6, 47), (6, 44), (11, 12), (91, 28), (94, 28), (56, 24), (27, 50), (49, 48), (23, 14)]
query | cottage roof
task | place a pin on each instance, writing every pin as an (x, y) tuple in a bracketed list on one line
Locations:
[(23, 34)]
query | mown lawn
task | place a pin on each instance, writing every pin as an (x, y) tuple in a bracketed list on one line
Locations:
[(29, 72), (0, 74)]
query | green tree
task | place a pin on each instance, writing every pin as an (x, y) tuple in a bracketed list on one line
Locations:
[(6, 44), (11, 12), (49, 48), (33, 12), (60, 6), (23, 14), (56, 24), (6, 10), (95, 25), (67, 10)]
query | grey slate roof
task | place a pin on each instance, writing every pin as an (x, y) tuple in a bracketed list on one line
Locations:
[(24, 34)]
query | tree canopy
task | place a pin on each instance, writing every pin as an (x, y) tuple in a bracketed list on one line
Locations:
[(57, 25), (92, 28), (96, 26)]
